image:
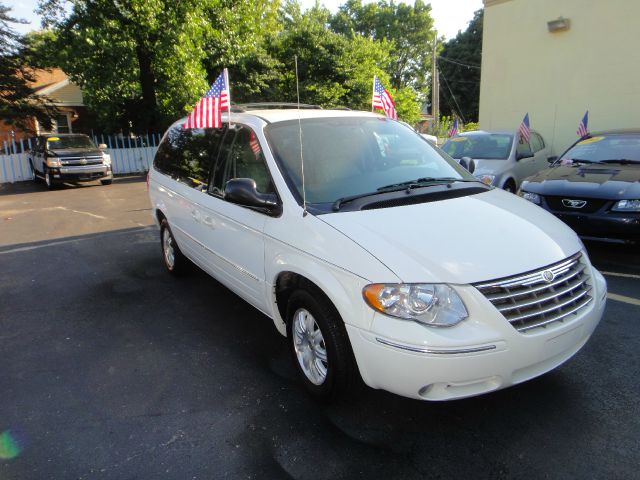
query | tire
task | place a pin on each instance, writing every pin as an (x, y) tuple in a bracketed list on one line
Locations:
[(48, 181), (106, 182), (174, 261), (320, 347), (509, 186)]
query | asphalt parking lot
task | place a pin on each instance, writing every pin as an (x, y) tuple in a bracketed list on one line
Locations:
[(113, 369)]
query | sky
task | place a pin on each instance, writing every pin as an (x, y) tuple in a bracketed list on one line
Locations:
[(449, 15)]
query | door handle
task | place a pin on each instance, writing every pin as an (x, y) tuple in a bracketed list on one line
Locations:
[(208, 221), (195, 214)]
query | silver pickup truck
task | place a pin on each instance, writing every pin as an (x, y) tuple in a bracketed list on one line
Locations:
[(59, 158)]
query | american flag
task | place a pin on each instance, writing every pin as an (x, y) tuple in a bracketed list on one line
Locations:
[(583, 131), (254, 144), (208, 111), (524, 129), (382, 99), (454, 128)]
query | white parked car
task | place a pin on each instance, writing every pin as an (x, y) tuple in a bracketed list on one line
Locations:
[(389, 262)]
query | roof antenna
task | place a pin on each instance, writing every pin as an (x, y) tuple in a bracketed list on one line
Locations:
[(304, 193)]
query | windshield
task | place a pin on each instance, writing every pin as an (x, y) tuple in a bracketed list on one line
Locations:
[(604, 147), (351, 156), (482, 145), (72, 141)]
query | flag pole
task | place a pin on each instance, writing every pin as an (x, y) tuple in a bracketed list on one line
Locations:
[(373, 92), (226, 81)]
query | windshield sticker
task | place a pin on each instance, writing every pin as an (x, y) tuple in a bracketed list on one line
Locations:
[(458, 139), (590, 140), (53, 139)]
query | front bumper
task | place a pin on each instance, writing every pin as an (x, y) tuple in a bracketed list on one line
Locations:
[(482, 354), (83, 173), (607, 226)]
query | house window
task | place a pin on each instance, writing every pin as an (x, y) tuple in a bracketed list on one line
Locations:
[(62, 123)]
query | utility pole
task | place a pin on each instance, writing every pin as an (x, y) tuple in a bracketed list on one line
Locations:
[(435, 84)]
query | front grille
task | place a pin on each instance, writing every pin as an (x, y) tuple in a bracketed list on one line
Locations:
[(542, 297), (92, 160), (591, 205)]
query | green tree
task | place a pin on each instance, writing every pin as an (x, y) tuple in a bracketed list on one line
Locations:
[(17, 102), (459, 66), (408, 27), (138, 61)]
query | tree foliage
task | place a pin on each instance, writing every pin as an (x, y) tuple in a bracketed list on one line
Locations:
[(459, 67), (17, 102), (146, 62), (409, 28)]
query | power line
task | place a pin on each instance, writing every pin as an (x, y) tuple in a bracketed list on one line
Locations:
[(468, 65), (453, 96)]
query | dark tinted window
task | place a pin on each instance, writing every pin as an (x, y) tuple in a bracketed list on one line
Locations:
[(241, 157), (605, 147), (187, 154)]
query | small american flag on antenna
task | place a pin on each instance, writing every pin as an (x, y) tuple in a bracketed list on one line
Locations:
[(524, 129), (382, 99), (208, 111), (454, 128), (583, 131)]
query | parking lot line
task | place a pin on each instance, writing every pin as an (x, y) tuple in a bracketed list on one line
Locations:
[(624, 298), (625, 275)]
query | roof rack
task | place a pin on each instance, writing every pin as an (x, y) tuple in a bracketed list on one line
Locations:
[(243, 107)]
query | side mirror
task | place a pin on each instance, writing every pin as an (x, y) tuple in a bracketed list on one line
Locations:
[(242, 191), (102, 146), (552, 159), (521, 155), (468, 164)]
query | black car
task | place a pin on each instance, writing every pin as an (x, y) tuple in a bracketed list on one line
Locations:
[(59, 158), (594, 187)]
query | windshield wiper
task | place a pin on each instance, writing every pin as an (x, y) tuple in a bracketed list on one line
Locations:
[(623, 161), (420, 182), (395, 187)]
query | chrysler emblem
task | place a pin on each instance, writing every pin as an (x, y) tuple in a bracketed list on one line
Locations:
[(568, 202), (548, 276)]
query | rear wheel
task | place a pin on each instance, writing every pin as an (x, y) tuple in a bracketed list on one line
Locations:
[(174, 260), (320, 346)]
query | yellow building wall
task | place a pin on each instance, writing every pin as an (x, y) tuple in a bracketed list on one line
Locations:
[(595, 66)]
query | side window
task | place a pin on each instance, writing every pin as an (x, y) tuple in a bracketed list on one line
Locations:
[(536, 142), (241, 157), (187, 154), (523, 146)]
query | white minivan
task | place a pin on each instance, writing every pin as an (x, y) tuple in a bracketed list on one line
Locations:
[(375, 254)]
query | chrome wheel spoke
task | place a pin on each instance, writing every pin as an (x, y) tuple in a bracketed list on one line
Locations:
[(309, 347)]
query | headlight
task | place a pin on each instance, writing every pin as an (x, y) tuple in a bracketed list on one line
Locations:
[(53, 162), (435, 305), (486, 179), (627, 206), (106, 158), (532, 197)]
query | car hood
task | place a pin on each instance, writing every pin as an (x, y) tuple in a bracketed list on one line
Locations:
[(463, 240), (76, 152), (611, 181)]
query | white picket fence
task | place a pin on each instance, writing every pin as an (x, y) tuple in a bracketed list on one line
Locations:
[(128, 155)]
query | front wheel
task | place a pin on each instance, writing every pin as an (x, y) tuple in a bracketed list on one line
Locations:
[(106, 182), (320, 346), (48, 180), (509, 187)]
